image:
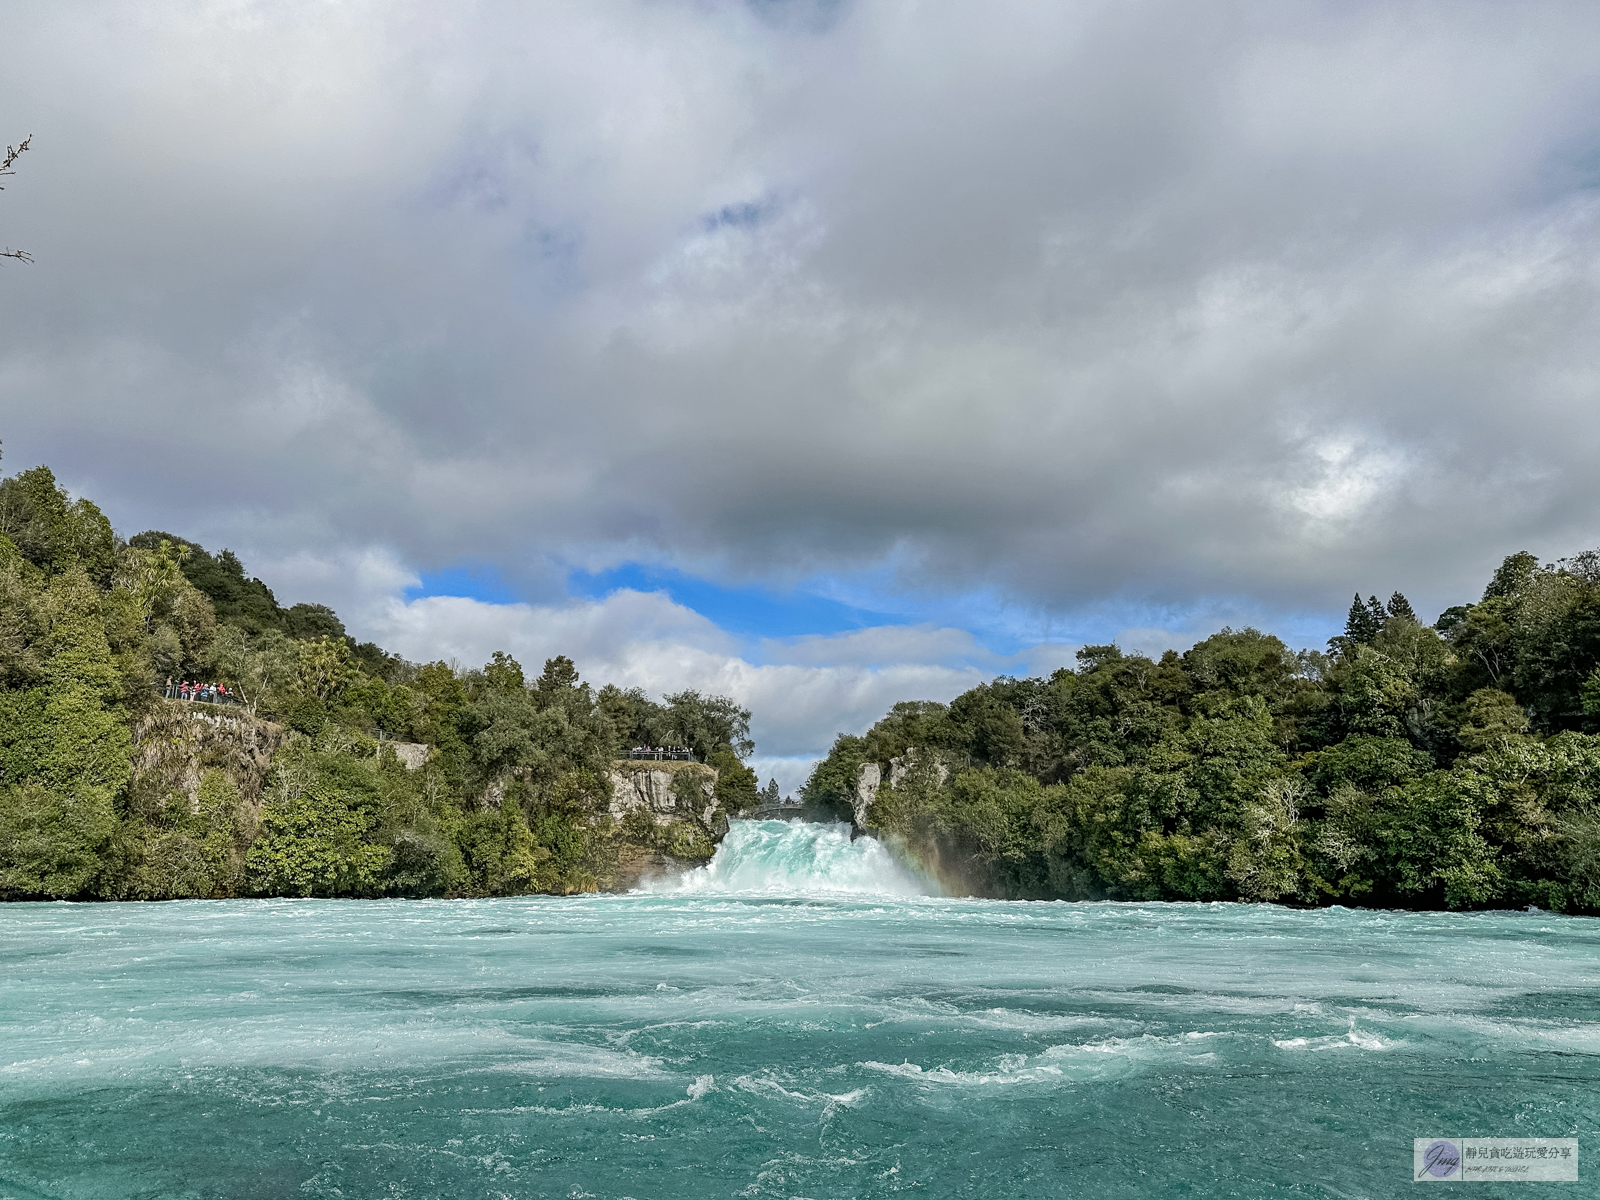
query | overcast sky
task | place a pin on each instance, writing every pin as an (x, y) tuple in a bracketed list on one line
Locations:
[(825, 354)]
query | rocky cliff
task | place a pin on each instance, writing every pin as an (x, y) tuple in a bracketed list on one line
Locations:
[(668, 792), (653, 818), (667, 817), (929, 769), (175, 744)]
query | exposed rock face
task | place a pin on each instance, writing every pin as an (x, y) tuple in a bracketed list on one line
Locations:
[(173, 744), (679, 802), (900, 767), (668, 792), (494, 792), (637, 865), (413, 754), (868, 779)]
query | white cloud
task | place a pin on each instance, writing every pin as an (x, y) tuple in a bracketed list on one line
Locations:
[(643, 639), (1348, 479)]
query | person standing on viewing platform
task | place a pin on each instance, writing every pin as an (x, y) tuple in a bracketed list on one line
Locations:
[(196, 692)]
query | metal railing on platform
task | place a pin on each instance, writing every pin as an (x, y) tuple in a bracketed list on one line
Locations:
[(202, 693)]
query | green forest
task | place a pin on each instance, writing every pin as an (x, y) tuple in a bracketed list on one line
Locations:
[(1448, 765), (110, 791)]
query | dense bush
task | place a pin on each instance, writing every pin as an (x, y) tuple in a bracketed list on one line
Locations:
[(510, 800), (1450, 765)]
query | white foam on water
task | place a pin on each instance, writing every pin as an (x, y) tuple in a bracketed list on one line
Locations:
[(701, 1085), (797, 858), (262, 1042), (1117, 1054), (1109, 1058), (945, 1075), (1358, 1038)]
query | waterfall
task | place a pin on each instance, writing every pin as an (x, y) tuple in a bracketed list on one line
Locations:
[(790, 858)]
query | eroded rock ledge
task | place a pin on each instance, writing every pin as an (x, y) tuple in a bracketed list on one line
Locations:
[(668, 816), (668, 792)]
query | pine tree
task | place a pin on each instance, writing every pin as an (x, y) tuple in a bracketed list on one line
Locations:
[(1399, 606), (1361, 626)]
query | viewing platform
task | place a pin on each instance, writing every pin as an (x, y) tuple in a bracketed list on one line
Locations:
[(660, 754)]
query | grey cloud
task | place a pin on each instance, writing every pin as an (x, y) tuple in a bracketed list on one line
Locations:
[(1082, 304), (884, 644)]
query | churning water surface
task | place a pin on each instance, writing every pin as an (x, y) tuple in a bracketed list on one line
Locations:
[(797, 1019)]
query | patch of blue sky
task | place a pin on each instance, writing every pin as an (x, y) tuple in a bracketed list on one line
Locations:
[(1000, 625), (749, 611), (833, 605), (472, 581), (1009, 628)]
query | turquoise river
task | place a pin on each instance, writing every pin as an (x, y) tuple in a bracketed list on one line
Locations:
[(798, 1019)]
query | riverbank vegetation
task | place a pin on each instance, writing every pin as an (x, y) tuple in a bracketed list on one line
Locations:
[(1453, 765), (109, 790)]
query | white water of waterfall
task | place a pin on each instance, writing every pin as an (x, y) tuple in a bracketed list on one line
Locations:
[(796, 858)]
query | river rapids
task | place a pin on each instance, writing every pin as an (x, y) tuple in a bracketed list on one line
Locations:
[(803, 1017)]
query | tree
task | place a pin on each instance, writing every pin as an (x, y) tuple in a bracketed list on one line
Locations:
[(64, 750), (501, 856), (1400, 608), (911, 724), (257, 668), (53, 531), (830, 788), (12, 154), (238, 600), (311, 622), (990, 729), (174, 621), (1512, 577), (1590, 694), (1265, 861), (1246, 663), (325, 668), (1092, 658), (503, 673), (707, 724), (560, 674), (1492, 717), (634, 718), (1363, 624), (1374, 694), (313, 843), (737, 785), (1368, 764)]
